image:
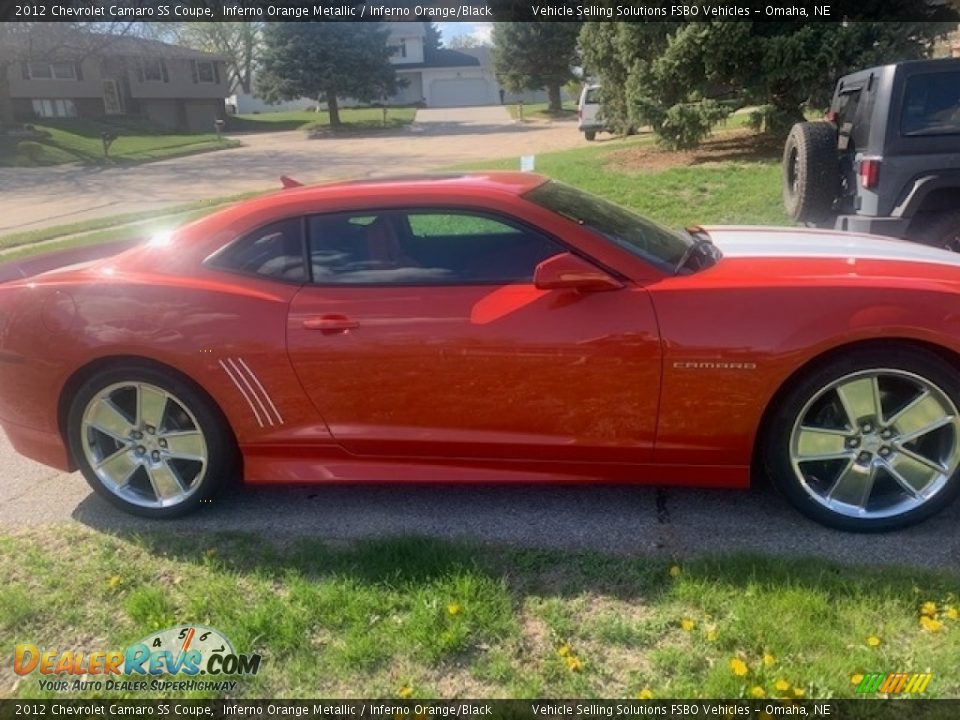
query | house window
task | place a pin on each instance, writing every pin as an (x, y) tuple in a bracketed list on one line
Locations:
[(205, 72), (52, 71), (153, 71), (54, 108)]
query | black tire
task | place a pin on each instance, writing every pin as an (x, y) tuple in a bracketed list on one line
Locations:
[(777, 438), (811, 172), (590, 135), (222, 454), (938, 230)]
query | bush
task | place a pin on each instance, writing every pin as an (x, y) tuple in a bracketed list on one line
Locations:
[(33, 151), (684, 125)]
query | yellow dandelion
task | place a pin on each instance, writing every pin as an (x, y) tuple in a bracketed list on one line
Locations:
[(951, 612), (769, 660), (757, 692), (856, 679), (563, 650), (405, 692), (929, 609), (675, 571), (574, 663), (738, 667), (782, 685), (799, 692), (645, 694), (687, 624), (114, 581), (712, 633), (873, 641), (453, 609), (930, 624)]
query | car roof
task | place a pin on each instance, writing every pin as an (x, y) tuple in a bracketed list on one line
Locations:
[(512, 183), (931, 65)]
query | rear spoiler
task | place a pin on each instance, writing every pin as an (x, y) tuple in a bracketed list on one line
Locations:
[(36, 264)]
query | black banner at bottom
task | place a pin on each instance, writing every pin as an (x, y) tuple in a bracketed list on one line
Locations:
[(867, 709)]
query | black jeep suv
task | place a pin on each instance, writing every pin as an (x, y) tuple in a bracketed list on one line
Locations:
[(886, 159)]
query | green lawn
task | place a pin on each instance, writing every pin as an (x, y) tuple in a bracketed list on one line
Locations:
[(538, 111), (353, 119), (426, 618), (76, 140), (629, 171)]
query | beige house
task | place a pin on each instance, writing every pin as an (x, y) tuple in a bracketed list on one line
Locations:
[(98, 76)]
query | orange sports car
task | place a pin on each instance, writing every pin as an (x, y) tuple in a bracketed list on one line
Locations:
[(498, 327)]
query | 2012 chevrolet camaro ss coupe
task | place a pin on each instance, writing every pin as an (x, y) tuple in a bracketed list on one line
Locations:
[(499, 327)]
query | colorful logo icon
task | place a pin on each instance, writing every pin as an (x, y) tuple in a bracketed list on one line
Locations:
[(186, 649), (894, 683)]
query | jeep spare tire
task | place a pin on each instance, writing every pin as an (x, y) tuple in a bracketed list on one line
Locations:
[(811, 172)]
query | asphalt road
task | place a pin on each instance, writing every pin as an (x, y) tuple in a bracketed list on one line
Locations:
[(672, 523), (32, 198)]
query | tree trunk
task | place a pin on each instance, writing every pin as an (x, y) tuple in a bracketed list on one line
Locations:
[(6, 104), (553, 93), (333, 109)]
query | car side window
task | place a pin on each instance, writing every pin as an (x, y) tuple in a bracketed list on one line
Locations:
[(424, 247), (931, 105), (273, 251)]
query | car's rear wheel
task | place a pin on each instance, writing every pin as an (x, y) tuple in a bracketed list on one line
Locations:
[(869, 441), (811, 172), (590, 135), (148, 441)]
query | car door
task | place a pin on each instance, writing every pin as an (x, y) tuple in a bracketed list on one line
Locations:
[(423, 334)]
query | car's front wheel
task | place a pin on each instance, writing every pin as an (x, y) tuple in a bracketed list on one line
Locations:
[(148, 441), (869, 441)]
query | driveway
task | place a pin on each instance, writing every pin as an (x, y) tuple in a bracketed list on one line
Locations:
[(38, 197), (675, 523)]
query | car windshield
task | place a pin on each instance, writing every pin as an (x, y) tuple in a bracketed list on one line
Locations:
[(655, 244)]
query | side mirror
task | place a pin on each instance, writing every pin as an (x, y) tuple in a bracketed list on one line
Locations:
[(569, 272)]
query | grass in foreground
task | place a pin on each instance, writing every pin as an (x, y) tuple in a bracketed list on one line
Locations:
[(79, 140), (427, 618), (353, 119)]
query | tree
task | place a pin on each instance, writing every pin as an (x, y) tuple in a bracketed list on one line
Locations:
[(462, 42), (668, 75), (327, 61), (237, 42), (432, 40), (535, 55)]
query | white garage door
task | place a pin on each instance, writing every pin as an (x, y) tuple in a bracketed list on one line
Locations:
[(458, 92)]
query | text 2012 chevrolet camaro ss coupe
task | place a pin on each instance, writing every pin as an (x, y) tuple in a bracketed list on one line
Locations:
[(492, 327)]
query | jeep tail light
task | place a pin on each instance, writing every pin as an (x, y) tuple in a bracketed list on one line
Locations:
[(869, 173)]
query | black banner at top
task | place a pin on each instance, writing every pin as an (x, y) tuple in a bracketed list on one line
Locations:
[(478, 10)]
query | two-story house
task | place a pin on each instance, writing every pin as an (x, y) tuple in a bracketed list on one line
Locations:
[(434, 78), (98, 76)]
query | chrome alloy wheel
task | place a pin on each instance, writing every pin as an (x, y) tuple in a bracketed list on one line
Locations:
[(143, 444), (876, 444)]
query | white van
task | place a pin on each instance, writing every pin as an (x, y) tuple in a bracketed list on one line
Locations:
[(588, 112)]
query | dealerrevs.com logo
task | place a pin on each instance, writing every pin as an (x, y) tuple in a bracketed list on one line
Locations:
[(186, 650)]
